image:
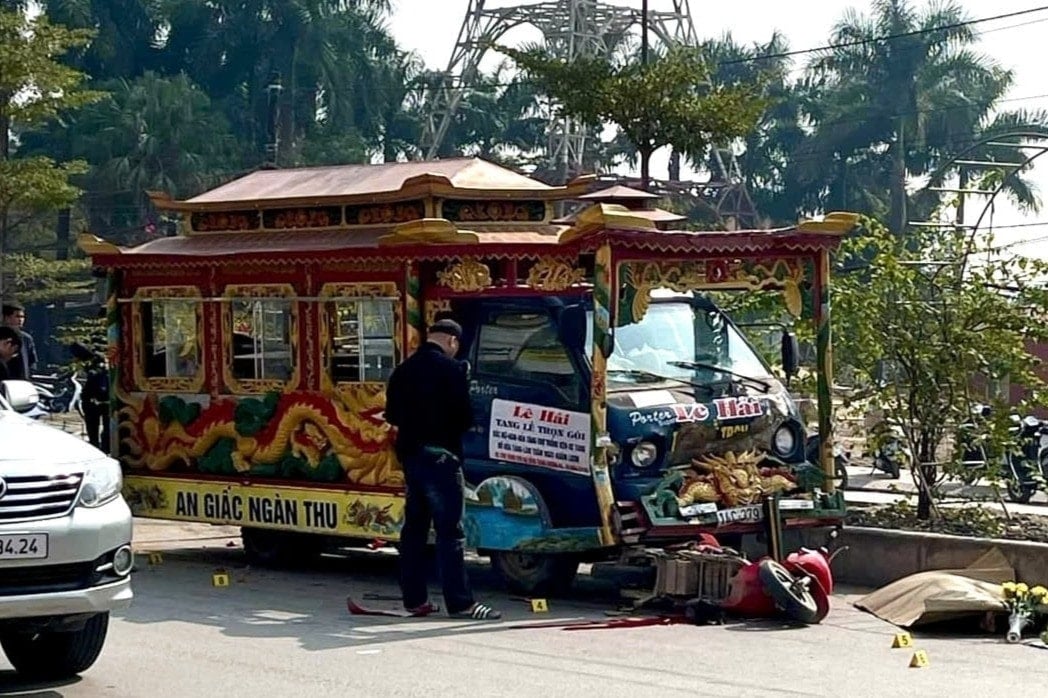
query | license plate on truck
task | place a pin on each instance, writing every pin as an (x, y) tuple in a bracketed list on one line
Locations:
[(23, 546), (750, 514)]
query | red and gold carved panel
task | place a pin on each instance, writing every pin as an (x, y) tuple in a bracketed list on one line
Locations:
[(301, 218), (386, 214), (224, 221)]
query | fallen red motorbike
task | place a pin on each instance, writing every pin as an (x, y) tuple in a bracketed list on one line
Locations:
[(797, 588)]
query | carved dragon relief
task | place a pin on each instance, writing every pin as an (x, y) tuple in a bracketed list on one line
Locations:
[(683, 277), (554, 275), (465, 276)]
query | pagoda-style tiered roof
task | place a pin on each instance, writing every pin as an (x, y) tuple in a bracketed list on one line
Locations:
[(640, 203), (440, 208)]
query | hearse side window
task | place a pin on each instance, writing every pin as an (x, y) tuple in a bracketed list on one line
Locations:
[(362, 332), (262, 339), (520, 346), (169, 338)]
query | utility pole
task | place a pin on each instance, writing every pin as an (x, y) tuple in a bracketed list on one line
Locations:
[(644, 32), (273, 90)]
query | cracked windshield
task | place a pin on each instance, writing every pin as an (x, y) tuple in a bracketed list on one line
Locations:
[(678, 340)]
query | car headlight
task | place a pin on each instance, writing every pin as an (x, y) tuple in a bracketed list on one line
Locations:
[(784, 441), (644, 454), (102, 483)]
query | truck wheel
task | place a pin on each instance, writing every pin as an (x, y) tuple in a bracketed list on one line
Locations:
[(525, 573), (54, 655), (265, 548)]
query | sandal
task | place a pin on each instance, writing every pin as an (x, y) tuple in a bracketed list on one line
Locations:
[(478, 611)]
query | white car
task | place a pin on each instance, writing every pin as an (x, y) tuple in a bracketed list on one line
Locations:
[(65, 542)]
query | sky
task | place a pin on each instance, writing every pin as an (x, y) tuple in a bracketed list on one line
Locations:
[(431, 27)]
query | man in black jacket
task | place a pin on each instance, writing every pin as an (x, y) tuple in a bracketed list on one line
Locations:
[(10, 345), (14, 317), (427, 400), (95, 398)]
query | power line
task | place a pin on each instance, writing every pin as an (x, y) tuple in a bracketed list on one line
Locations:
[(887, 37)]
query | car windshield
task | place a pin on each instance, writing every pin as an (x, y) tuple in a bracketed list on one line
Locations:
[(679, 340)]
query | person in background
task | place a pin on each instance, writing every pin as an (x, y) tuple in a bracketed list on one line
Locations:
[(95, 398), (10, 345), (14, 317), (427, 400)]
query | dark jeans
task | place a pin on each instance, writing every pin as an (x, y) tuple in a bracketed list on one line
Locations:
[(96, 424), (434, 495)]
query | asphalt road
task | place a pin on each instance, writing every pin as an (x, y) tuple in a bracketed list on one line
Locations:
[(287, 633)]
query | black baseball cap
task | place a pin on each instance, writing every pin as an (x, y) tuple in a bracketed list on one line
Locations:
[(446, 326)]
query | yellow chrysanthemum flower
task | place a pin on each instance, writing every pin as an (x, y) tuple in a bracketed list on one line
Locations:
[(1039, 591), (1008, 587), (1021, 588)]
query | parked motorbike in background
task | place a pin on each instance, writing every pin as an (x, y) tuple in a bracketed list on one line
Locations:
[(841, 459), (59, 392), (1024, 469), (891, 451)]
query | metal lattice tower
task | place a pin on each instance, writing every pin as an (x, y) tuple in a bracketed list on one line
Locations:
[(570, 29)]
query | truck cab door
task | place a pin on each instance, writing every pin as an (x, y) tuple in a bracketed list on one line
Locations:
[(517, 355)]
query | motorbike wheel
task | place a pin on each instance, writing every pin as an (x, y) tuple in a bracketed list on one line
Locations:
[(1020, 494), (789, 593)]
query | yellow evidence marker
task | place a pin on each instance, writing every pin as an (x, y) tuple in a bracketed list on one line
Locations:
[(919, 660), (902, 640), (220, 579), (539, 606), (156, 559)]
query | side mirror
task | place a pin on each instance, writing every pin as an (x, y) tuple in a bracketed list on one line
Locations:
[(21, 395), (790, 354), (608, 345), (572, 327)]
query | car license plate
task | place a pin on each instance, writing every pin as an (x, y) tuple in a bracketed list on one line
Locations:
[(23, 546), (796, 505), (750, 514), (698, 509)]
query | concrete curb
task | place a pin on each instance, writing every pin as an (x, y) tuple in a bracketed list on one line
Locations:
[(878, 556)]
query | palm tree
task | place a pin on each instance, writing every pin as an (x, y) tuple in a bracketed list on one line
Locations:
[(153, 133), (890, 105), (126, 31), (324, 58), (766, 154)]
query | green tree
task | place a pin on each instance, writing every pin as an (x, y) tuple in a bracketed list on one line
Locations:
[(34, 89), (668, 101), (766, 156), (124, 35), (149, 134), (883, 108), (937, 320)]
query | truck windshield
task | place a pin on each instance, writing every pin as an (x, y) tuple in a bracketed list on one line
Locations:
[(674, 334)]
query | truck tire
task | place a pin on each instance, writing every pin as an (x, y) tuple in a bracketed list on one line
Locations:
[(535, 574), (53, 655)]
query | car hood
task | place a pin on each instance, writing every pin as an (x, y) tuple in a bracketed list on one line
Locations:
[(28, 441)]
